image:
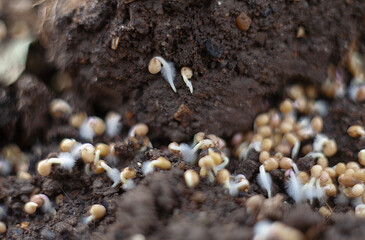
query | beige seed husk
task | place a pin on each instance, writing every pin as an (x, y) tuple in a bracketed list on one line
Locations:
[(271, 164), (97, 211), (103, 148), (191, 178), (66, 144), (44, 168), (262, 119), (264, 155), (325, 211), (2, 227), (77, 119), (154, 66), (356, 131), (223, 176), (316, 171), (162, 163), (330, 148)]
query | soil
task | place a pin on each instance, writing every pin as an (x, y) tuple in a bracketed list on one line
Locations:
[(237, 74)]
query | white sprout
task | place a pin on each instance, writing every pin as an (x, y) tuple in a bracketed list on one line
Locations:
[(112, 173), (147, 167), (264, 180), (47, 205), (319, 142), (294, 187), (321, 107), (5, 167), (65, 159), (168, 72), (86, 131), (188, 153), (223, 164), (113, 124)]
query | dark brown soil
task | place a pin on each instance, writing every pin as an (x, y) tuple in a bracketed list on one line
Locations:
[(237, 74)]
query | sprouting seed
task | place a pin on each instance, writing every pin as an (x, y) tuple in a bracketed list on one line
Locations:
[(2, 227), (113, 124), (112, 173), (167, 70), (59, 108), (161, 163), (356, 131), (191, 178), (140, 129), (126, 176), (30, 207), (97, 211), (66, 144), (186, 74), (65, 160), (294, 186), (264, 180)]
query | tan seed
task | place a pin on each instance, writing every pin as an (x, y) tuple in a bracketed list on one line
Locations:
[(316, 171), (154, 66), (271, 164), (361, 157), (264, 155), (162, 163), (330, 148), (191, 178), (262, 119), (66, 144), (30, 207), (103, 148), (44, 168), (97, 211), (286, 106), (356, 131), (317, 124), (2, 227), (77, 119)]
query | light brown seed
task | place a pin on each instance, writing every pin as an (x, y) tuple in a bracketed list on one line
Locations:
[(217, 157), (331, 190), (103, 148), (331, 172), (317, 124), (283, 148), (223, 177), (316, 171), (128, 173), (271, 164), (286, 163), (37, 199), (30, 207), (262, 119), (206, 162), (349, 172), (330, 148), (266, 144), (97, 211), (357, 190), (360, 94), (264, 131), (186, 71), (323, 162), (347, 181), (191, 178), (291, 138), (254, 203), (353, 165), (162, 163), (361, 157), (200, 136), (359, 175), (307, 149), (340, 168), (356, 131), (98, 169), (303, 177), (59, 108), (170, 147), (154, 66), (296, 91), (88, 154), (275, 120), (285, 127), (325, 211), (77, 119), (98, 126), (44, 168), (286, 106), (264, 155), (2, 227), (311, 92)]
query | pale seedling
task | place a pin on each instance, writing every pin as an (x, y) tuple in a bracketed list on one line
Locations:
[(294, 186), (92, 126), (207, 167), (113, 124), (188, 153), (65, 159), (126, 176), (264, 180), (59, 108), (97, 211), (140, 129), (112, 173), (161, 163), (167, 70), (191, 178), (186, 74)]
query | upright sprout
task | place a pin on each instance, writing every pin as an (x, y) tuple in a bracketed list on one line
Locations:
[(264, 179), (167, 70), (65, 159), (112, 173), (113, 124), (186, 74)]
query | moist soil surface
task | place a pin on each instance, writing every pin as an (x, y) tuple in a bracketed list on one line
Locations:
[(237, 74)]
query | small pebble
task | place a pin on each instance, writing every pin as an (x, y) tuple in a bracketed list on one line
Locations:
[(243, 21)]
